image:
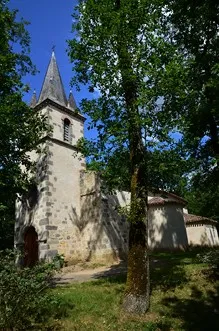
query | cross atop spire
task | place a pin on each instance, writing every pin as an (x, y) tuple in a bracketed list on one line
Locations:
[(52, 86)]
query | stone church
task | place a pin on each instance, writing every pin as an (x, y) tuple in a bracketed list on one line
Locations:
[(66, 212)]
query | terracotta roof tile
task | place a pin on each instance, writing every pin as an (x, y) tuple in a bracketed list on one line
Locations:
[(156, 201), (190, 218)]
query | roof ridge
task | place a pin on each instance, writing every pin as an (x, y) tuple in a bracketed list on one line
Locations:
[(189, 218)]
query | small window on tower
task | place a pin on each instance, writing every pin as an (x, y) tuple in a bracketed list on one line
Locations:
[(66, 131)]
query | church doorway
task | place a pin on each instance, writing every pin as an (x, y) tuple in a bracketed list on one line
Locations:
[(31, 250)]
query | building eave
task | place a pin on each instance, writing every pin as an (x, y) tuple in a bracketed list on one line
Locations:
[(49, 102)]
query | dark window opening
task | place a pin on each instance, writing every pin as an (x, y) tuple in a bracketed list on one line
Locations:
[(33, 196), (66, 133)]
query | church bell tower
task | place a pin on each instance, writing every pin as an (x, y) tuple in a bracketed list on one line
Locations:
[(45, 217)]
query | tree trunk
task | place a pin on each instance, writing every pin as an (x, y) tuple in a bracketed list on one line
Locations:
[(136, 299)]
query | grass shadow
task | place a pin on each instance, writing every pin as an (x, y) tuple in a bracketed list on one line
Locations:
[(200, 312), (168, 269), (168, 277), (182, 298), (165, 271)]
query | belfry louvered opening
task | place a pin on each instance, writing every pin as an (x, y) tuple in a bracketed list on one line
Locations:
[(66, 130)]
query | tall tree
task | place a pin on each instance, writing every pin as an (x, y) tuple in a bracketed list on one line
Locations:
[(195, 26), (119, 49), (21, 128), (191, 94)]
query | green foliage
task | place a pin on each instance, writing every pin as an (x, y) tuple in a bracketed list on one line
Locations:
[(196, 95), (211, 258), (189, 89), (130, 91), (203, 194), (193, 95), (167, 169), (25, 302), (22, 128), (7, 233), (59, 261), (102, 28)]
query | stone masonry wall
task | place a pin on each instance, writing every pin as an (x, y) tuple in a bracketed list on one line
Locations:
[(64, 201), (104, 231), (32, 209), (64, 169), (56, 212)]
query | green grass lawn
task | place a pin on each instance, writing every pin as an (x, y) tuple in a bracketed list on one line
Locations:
[(184, 296)]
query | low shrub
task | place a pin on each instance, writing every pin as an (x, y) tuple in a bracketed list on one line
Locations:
[(25, 302), (59, 261)]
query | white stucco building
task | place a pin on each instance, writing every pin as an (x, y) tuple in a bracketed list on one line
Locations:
[(166, 222), (201, 231)]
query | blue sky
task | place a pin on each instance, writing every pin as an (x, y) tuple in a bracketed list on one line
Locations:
[(50, 24)]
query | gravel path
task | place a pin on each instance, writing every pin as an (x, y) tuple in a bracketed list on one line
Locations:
[(84, 273), (90, 274)]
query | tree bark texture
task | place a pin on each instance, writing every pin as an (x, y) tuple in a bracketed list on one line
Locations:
[(136, 299)]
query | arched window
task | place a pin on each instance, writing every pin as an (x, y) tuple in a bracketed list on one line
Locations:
[(32, 196), (66, 130)]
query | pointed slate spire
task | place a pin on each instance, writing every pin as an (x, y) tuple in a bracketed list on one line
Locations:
[(71, 101), (33, 100), (52, 86)]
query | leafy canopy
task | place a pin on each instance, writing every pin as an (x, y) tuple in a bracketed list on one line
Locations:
[(193, 96), (21, 128), (103, 35)]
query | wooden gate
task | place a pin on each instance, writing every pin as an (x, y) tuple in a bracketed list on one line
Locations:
[(31, 253)]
